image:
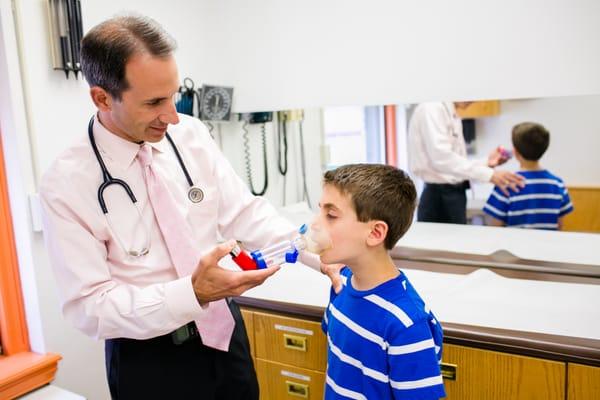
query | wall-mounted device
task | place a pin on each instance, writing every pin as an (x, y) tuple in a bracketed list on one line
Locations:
[(287, 119), (215, 103), (256, 118), (65, 34), (186, 97)]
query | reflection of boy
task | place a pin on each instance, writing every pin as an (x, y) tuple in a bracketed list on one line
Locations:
[(544, 200), (384, 343)]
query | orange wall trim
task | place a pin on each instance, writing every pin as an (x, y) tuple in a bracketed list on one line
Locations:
[(13, 328), (391, 147), (23, 372), (20, 370)]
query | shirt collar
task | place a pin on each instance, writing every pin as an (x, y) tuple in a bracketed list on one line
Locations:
[(117, 149)]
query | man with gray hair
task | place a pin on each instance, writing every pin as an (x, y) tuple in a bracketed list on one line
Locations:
[(147, 281)]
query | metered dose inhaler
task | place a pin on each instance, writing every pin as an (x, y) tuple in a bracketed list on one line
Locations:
[(312, 240)]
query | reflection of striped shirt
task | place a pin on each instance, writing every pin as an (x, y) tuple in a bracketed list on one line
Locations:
[(384, 343), (540, 204)]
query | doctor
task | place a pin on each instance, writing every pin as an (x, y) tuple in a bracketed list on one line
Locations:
[(132, 214), (437, 155)]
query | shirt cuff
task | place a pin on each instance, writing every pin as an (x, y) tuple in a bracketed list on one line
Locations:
[(181, 299), (483, 173)]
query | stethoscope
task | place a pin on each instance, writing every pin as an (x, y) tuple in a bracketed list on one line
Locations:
[(195, 194)]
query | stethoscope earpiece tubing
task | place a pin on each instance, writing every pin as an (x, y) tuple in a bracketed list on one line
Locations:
[(109, 180)]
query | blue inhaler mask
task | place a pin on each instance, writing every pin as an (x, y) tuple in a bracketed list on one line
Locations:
[(311, 239)]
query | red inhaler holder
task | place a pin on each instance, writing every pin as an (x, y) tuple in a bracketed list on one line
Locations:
[(242, 259)]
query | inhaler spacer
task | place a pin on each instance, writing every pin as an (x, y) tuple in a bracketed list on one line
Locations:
[(312, 240)]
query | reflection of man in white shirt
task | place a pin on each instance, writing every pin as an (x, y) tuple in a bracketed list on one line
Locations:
[(437, 155)]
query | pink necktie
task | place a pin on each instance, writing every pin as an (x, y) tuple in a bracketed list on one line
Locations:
[(216, 323)]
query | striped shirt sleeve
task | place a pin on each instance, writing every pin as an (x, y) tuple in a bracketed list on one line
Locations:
[(497, 205), (414, 369), (566, 206)]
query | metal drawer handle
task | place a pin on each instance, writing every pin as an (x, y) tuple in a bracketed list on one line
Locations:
[(448, 371), (297, 389), (294, 342)]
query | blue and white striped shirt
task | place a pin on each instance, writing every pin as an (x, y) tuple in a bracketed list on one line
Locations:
[(384, 343), (540, 204)]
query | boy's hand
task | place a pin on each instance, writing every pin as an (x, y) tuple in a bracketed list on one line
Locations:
[(505, 179), (333, 272)]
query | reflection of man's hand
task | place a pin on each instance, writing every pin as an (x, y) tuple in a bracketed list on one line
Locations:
[(506, 179), (497, 157), (333, 272), (211, 282)]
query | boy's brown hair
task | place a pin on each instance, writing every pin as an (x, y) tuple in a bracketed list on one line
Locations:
[(531, 140), (378, 192)]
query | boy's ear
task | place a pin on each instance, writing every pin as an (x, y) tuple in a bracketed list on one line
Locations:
[(379, 230)]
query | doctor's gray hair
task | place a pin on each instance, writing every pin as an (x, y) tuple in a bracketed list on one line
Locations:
[(107, 47)]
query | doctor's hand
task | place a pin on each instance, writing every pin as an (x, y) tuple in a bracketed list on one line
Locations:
[(498, 157), (333, 272), (211, 282), (506, 179)]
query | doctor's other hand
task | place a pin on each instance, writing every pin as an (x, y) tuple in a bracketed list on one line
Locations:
[(211, 282), (333, 272), (506, 179), (498, 156)]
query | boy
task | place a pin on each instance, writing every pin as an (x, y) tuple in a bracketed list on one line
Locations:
[(384, 343), (544, 200)]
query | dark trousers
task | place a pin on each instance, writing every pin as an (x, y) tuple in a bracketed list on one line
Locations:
[(159, 369), (443, 203)]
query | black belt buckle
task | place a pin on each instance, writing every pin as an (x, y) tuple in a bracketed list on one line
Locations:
[(184, 333)]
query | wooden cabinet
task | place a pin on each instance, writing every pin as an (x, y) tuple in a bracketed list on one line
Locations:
[(291, 355), (479, 109), (584, 382), (586, 214), (490, 375)]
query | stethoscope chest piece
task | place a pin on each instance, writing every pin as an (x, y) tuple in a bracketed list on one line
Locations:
[(195, 194)]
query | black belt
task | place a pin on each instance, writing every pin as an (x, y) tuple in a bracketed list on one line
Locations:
[(464, 185)]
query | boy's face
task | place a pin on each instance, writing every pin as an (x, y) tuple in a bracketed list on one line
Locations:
[(338, 218)]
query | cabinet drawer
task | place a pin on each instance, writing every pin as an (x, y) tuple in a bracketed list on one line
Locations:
[(248, 317), (290, 341), (279, 381), (490, 375)]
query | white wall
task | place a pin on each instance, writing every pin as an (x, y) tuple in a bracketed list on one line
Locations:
[(278, 55), (340, 52), (574, 136)]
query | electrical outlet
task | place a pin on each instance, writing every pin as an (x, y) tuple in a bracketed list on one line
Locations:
[(257, 117), (291, 115)]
